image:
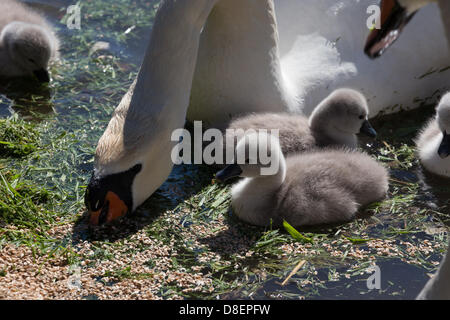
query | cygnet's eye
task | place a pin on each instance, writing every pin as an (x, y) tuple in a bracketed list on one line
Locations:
[(361, 117)]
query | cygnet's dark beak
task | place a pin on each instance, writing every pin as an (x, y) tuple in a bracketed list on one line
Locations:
[(367, 129), (444, 148), (394, 18), (42, 75), (230, 171)]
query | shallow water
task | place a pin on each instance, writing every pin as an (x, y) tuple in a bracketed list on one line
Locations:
[(74, 104)]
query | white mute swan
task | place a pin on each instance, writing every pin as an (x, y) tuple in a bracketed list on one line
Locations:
[(27, 42), (318, 187), (334, 122), (395, 15), (239, 70), (133, 156)]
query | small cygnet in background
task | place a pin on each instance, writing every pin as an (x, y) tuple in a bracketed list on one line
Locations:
[(27, 42)]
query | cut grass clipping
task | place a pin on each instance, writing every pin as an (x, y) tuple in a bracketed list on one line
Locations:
[(18, 138), (23, 204), (295, 234)]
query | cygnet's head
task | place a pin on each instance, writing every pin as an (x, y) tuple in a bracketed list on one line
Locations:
[(29, 47), (443, 120), (257, 154), (395, 15), (343, 112)]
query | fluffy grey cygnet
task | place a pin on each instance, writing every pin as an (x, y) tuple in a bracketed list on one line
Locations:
[(433, 142), (334, 122), (318, 187), (27, 42)]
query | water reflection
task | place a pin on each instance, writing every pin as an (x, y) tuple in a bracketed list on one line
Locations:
[(26, 97)]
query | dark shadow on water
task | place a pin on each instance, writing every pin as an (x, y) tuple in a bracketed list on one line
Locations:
[(25, 96), (435, 193), (398, 280)]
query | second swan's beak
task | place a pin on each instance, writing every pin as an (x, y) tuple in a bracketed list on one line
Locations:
[(367, 129), (394, 17), (230, 171), (113, 209), (444, 148)]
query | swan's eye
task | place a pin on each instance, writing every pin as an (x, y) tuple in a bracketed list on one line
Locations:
[(31, 60)]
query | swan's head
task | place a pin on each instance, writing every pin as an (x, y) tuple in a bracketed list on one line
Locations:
[(443, 120), (110, 197), (117, 187), (128, 167), (344, 111), (29, 48), (395, 14), (257, 154)]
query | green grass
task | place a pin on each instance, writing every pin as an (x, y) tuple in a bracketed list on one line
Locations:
[(18, 138)]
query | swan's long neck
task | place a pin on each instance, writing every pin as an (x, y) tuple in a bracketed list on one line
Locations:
[(164, 82), (156, 103), (238, 61), (438, 287), (444, 6)]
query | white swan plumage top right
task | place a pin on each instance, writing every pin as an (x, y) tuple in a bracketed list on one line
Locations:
[(293, 54)]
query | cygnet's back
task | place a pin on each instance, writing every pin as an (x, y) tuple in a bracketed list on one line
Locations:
[(334, 122), (294, 132), (329, 187)]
